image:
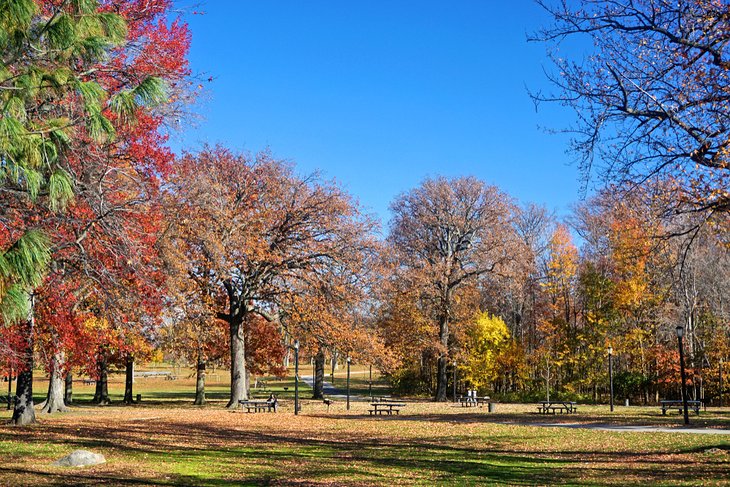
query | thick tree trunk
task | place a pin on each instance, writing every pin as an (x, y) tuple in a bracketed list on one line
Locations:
[(54, 400), (129, 380), (68, 392), (101, 395), (236, 316), (441, 373), (24, 412), (200, 382), (238, 365), (318, 390)]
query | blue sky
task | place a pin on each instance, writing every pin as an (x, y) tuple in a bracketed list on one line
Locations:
[(382, 94)]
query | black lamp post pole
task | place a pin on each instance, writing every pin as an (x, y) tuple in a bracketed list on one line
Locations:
[(10, 387), (296, 377), (680, 333), (370, 384), (348, 383), (610, 374), (454, 381), (720, 383)]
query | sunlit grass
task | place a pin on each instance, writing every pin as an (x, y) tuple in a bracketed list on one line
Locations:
[(165, 440)]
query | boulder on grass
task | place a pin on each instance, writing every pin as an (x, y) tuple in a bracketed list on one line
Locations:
[(80, 458)]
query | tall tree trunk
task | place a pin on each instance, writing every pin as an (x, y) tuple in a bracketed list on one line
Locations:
[(200, 381), (68, 392), (129, 379), (54, 400), (441, 373), (238, 365), (101, 395), (236, 317), (24, 413), (318, 389)]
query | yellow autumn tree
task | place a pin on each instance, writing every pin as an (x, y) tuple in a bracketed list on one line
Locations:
[(485, 339)]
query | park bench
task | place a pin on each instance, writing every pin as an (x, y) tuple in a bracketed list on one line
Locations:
[(562, 407), (88, 382), (385, 407), (257, 406), (8, 399), (677, 404)]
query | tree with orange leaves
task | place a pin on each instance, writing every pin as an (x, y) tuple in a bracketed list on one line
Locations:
[(445, 235), (259, 233)]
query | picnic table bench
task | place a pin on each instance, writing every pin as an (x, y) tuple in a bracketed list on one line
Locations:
[(259, 406), (554, 407), (679, 406), (166, 375), (469, 401), (386, 407), (87, 381)]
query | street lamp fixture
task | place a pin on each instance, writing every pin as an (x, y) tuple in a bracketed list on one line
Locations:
[(680, 334), (348, 382), (610, 374)]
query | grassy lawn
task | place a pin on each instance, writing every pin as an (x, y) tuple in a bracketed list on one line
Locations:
[(166, 441)]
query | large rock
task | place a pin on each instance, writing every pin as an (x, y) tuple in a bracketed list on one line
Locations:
[(80, 458)]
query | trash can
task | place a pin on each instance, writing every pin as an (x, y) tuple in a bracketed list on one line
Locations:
[(139, 398), (491, 407)]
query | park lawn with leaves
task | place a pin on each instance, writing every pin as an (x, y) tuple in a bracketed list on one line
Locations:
[(168, 443)]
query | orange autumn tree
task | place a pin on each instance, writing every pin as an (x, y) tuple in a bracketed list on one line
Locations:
[(448, 234), (257, 232)]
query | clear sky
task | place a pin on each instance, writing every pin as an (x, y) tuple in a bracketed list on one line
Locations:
[(382, 94)]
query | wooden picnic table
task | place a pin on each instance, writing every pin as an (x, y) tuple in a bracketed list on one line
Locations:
[(469, 401), (554, 407), (258, 406), (679, 406), (386, 407), (156, 373)]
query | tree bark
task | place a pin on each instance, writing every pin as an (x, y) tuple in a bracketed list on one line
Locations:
[(441, 373), (54, 399), (200, 382), (318, 380), (129, 380), (236, 317), (68, 392), (238, 365), (24, 412), (101, 395)]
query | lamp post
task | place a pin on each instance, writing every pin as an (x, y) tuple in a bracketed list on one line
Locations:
[(296, 377), (680, 334), (720, 383), (610, 373), (454, 380), (348, 383), (370, 383)]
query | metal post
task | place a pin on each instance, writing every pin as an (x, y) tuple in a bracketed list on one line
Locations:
[(610, 373), (10, 387), (348, 383), (296, 377), (720, 392), (370, 384), (454, 381), (680, 332)]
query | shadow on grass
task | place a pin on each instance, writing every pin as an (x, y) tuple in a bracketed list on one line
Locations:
[(293, 458)]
